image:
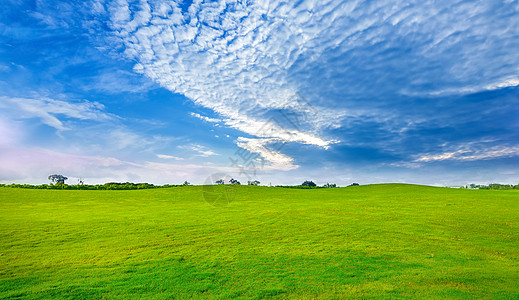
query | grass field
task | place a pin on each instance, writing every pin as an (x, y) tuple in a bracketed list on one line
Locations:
[(379, 241)]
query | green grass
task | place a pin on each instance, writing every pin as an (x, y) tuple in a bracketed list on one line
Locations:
[(379, 241)]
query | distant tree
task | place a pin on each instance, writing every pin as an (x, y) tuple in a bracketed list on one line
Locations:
[(330, 185), (354, 184), (308, 183), (234, 181), (56, 178), (255, 182), (186, 183), (220, 181)]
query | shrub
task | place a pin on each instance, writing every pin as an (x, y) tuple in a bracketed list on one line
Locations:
[(309, 183)]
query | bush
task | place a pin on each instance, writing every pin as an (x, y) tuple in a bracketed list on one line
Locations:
[(309, 183), (329, 185)]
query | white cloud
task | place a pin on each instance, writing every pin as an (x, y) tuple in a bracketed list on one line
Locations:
[(510, 82), (468, 154), (103, 133), (164, 156), (246, 60), (49, 110), (266, 150), (199, 150), (231, 58), (500, 84), (116, 81), (207, 119)]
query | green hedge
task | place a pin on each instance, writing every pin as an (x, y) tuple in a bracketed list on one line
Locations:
[(106, 186)]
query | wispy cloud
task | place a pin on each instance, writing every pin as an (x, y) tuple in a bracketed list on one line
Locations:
[(468, 154), (83, 125), (265, 149), (470, 89), (164, 156), (199, 150), (207, 119), (49, 110), (112, 81)]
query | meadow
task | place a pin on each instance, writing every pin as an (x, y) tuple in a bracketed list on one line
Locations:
[(377, 241)]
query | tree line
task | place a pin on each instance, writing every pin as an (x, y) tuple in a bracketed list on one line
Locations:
[(106, 186), (493, 186), (60, 185), (57, 182)]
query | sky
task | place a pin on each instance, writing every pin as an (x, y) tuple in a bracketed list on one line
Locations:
[(423, 92)]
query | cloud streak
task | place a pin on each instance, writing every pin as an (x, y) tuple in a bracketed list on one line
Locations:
[(472, 154), (266, 152), (165, 156), (198, 150), (49, 110), (204, 118)]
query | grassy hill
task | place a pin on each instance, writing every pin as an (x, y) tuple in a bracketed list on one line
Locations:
[(378, 241)]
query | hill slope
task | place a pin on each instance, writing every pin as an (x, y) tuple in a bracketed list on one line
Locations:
[(390, 240)]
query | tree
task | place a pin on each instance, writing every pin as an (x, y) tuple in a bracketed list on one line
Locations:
[(56, 178), (353, 184), (255, 182), (186, 183), (220, 181), (234, 181), (309, 183), (330, 185)]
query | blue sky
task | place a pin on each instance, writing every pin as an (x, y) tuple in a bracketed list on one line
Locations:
[(331, 91)]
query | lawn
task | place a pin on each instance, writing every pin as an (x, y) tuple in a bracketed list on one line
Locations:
[(376, 241)]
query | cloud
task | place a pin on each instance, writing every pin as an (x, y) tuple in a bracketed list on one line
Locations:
[(199, 150), (265, 148), (114, 81), (228, 58), (164, 156), (207, 119), (504, 83), (82, 126), (246, 61), (468, 154), (49, 110)]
